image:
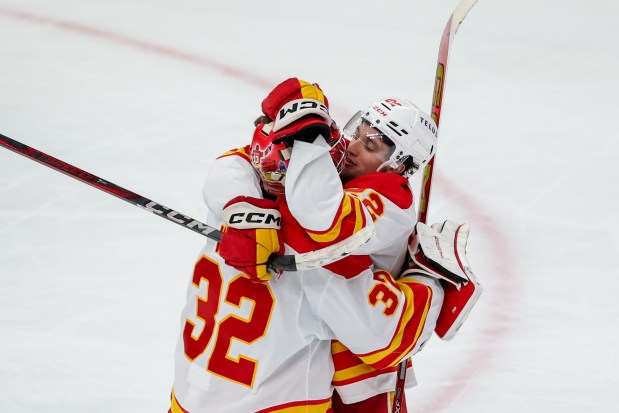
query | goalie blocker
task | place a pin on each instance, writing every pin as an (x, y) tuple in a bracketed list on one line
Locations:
[(439, 251)]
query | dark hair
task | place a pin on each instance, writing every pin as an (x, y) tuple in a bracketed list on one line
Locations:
[(262, 119)]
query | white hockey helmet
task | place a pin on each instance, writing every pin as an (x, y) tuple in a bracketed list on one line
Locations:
[(412, 132)]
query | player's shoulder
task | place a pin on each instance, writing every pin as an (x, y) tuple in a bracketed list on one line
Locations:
[(392, 186), (240, 152)]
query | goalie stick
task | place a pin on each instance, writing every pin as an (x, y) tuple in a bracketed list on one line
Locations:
[(451, 28), (295, 262)]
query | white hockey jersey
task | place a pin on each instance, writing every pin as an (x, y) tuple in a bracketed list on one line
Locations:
[(330, 212), (248, 347)]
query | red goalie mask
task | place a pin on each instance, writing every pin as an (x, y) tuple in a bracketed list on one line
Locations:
[(271, 160)]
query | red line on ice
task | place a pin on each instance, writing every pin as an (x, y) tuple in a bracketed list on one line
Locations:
[(118, 38), (503, 295)]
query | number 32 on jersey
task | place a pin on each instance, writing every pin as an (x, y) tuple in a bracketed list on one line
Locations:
[(242, 369)]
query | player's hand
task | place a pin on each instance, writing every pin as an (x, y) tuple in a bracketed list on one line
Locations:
[(300, 111), (250, 235)]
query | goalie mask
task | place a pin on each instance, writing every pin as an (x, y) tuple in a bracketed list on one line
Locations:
[(270, 156), (410, 133)]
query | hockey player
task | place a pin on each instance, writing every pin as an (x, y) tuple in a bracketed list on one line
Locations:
[(396, 148), (234, 328), (390, 140)]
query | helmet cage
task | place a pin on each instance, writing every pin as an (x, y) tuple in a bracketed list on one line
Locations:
[(338, 145), (351, 130), (270, 160)]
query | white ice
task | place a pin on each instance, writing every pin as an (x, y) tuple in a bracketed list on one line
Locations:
[(146, 93)]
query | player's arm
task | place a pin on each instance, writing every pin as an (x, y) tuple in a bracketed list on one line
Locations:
[(230, 175), (329, 212), (381, 320), (409, 309), (251, 224), (316, 197)]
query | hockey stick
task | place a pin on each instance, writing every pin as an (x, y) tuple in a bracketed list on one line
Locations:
[(295, 262), (451, 28)]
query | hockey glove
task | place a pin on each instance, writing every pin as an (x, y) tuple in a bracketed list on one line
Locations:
[(439, 251), (300, 111), (250, 235)]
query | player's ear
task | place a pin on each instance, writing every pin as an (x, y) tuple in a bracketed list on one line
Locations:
[(400, 169), (389, 168)]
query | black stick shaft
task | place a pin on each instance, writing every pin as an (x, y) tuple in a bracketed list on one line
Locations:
[(111, 188), (283, 262)]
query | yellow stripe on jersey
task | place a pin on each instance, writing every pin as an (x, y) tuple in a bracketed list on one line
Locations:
[(347, 365), (337, 347), (413, 317), (390, 400), (340, 229), (350, 373), (315, 406), (350, 369), (242, 152), (174, 406)]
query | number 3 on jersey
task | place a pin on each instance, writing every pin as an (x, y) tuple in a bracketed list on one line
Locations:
[(242, 369), (384, 291)]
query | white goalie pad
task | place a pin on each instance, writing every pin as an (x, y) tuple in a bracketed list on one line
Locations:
[(439, 251)]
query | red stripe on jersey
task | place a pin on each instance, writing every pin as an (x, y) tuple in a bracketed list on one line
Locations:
[(350, 266), (309, 406), (351, 369), (348, 220), (368, 375), (380, 403), (418, 300), (343, 358), (298, 239), (392, 186)]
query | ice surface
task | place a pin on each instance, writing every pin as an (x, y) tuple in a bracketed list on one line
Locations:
[(147, 93)]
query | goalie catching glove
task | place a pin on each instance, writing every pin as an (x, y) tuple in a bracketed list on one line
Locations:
[(439, 251), (250, 235)]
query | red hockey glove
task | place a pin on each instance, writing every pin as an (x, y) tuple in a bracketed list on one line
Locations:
[(299, 110), (251, 234)]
